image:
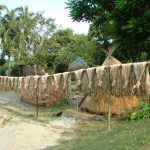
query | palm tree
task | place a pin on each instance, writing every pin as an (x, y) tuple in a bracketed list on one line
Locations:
[(2, 8), (7, 33), (26, 24), (23, 35), (9, 27)]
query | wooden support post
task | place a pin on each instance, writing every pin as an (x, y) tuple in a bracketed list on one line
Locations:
[(79, 89), (99, 106), (77, 105), (35, 69), (148, 63), (37, 97), (37, 106), (149, 101), (109, 102)]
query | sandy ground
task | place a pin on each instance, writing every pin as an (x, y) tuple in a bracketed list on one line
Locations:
[(32, 136), (19, 134)]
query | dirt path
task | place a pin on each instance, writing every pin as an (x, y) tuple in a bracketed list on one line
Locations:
[(21, 134), (32, 136)]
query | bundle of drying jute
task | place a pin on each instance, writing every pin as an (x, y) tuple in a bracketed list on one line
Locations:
[(129, 79), (16, 83), (1, 82), (10, 83), (66, 83), (82, 81), (42, 91), (32, 90), (29, 89), (92, 79), (25, 93), (20, 85), (127, 84), (51, 90), (121, 79), (5, 87)]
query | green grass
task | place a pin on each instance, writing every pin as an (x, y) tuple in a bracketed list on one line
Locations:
[(28, 112), (124, 135), (59, 106)]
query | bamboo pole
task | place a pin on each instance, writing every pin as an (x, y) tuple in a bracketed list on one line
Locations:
[(79, 88), (109, 103), (37, 108), (37, 98), (37, 91), (148, 63), (35, 69), (77, 105), (149, 101)]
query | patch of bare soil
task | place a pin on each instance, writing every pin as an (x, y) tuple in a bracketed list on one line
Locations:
[(32, 136), (21, 134)]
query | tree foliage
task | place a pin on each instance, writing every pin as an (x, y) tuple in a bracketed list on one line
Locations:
[(68, 46), (127, 22), (132, 27), (24, 33)]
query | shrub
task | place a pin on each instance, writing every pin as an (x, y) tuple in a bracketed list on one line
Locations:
[(140, 112), (14, 71), (3, 70)]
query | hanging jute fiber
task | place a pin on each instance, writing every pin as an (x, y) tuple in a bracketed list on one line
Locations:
[(129, 82)]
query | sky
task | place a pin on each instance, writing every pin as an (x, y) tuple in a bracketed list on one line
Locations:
[(52, 8)]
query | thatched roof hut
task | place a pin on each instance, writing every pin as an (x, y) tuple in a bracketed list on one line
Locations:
[(111, 61)]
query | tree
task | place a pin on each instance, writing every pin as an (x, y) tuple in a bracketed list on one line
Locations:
[(57, 44), (25, 34), (35, 31), (69, 46), (126, 22), (7, 33), (2, 53), (61, 38), (97, 13), (132, 28)]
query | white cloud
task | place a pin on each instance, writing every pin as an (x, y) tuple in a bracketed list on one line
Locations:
[(62, 19)]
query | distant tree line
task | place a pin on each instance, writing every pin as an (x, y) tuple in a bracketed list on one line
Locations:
[(29, 38)]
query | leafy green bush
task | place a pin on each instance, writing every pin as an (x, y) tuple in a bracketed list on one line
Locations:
[(14, 71), (144, 56), (2, 61), (140, 112), (3, 70)]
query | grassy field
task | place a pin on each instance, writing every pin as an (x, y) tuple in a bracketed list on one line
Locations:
[(124, 135)]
